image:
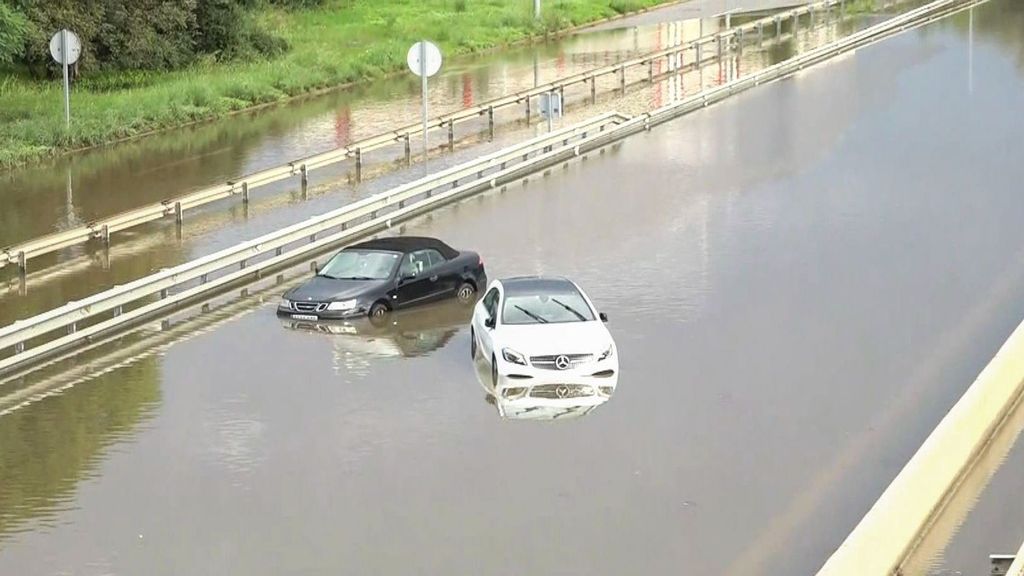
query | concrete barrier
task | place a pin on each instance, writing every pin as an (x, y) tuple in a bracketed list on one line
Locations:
[(891, 529)]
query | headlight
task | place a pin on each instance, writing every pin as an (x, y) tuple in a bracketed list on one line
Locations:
[(513, 393), (342, 305), (606, 354), (286, 303), (514, 357)]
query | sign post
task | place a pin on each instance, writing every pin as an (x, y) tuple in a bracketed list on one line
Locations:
[(424, 59), (551, 106), (65, 49)]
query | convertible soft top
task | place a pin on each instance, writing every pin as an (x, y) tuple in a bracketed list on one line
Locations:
[(406, 244)]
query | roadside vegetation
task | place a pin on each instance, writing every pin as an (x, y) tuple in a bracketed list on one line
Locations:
[(155, 64)]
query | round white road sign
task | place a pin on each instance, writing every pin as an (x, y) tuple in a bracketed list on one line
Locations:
[(74, 48), (433, 59)]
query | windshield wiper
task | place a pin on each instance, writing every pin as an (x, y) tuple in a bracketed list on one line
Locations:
[(531, 314), (570, 309), (353, 278)]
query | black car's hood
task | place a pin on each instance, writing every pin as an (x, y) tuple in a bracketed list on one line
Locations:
[(323, 289)]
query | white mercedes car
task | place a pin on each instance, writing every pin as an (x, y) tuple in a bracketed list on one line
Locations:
[(543, 339)]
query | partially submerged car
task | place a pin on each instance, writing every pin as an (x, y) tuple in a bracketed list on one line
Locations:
[(544, 340), (374, 277)]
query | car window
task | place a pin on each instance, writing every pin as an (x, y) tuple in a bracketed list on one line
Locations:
[(435, 258), (360, 265), (491, 302), (408, 267), (556, 307), (418, 262)]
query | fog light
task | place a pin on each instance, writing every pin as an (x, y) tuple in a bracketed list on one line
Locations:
[(513, 393)]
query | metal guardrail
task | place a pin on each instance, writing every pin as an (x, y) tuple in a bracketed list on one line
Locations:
[(102, 229), (364, 217)]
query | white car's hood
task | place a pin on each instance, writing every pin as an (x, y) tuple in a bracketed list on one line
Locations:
[(560, 338)]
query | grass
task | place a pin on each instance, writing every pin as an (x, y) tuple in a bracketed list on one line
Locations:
[(342, 42)]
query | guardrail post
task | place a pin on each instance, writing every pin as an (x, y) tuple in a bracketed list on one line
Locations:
[(698, 57), (118, 311), (105, 235), (593, 89), (719, 46), (179, 218), (19, 347), (760, 33), (622, 77), (359, 164), (163, 293), (72, 328), (408, 151), (243, 264), (778, 27), (451, 134), (490, 119), (245, 192), (796, 22), (22, 263), (304, 175), (203, 279), (650, 72), (527, 110)]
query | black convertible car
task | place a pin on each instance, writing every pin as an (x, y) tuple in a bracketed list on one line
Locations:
[(373, 277)]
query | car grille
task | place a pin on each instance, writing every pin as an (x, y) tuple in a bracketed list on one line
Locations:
[(560, 391), (309, 306), (550, 362)]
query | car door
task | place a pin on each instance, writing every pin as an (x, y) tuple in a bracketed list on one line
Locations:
[(414, 280), (486, 308), (448, 276), (437, 271)]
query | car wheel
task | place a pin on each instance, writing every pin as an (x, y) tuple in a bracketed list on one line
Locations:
[(377, 312), (465, 293), (472, 344), (494, 374)]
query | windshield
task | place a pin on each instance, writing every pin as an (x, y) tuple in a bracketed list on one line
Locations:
[(545, 308), (361, 265)]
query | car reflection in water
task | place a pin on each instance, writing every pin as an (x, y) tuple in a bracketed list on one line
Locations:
[(547, 401), (413, 332)]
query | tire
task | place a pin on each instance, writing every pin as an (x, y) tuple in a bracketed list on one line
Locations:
[(378, 312), (472, 344), (494, 374), (465, 293)]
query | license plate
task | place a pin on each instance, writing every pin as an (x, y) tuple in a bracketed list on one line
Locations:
[(305, 317)]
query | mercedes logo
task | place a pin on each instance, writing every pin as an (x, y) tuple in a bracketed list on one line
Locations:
[(562, 362), (562, 391)]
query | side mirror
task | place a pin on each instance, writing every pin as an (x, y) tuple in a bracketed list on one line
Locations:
[(603, 317), (489, 322)]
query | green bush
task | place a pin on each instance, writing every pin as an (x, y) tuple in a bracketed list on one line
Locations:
[(14, 29)]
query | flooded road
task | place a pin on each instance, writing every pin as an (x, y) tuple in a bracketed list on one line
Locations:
[(81, 187), (83, 270), (800, 282)]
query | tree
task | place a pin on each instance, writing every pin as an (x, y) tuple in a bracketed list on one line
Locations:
[(14, 28)]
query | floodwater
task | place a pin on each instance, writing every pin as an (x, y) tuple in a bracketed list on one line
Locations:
[(84, 270), (801, 281)]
